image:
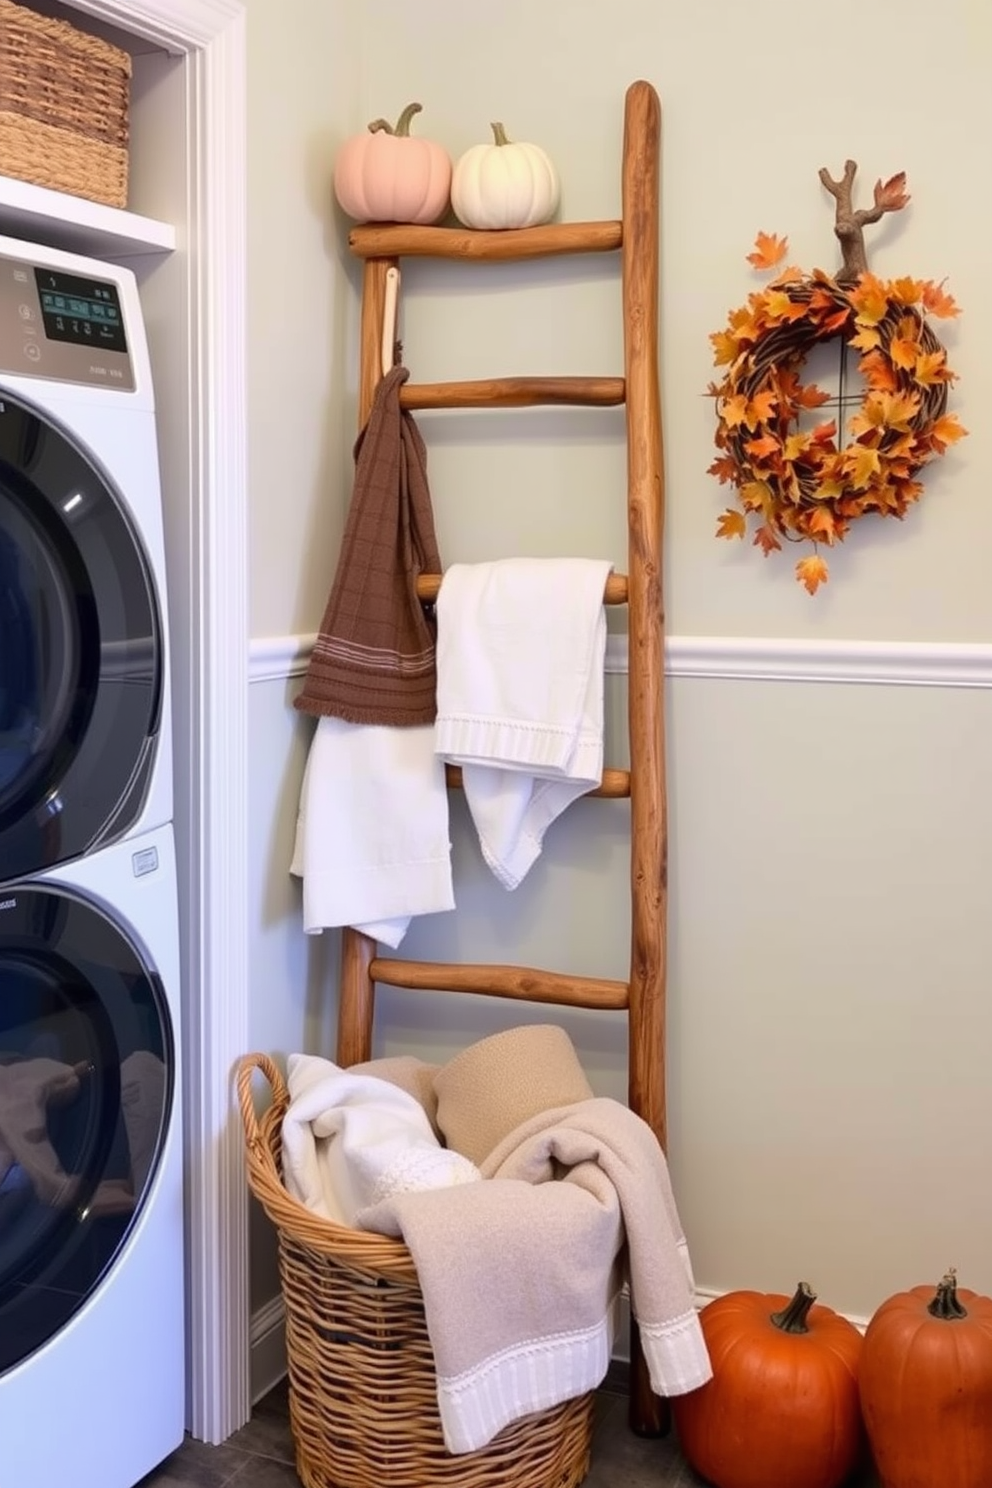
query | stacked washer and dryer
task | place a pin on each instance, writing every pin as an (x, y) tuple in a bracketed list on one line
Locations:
[(91, 1195)]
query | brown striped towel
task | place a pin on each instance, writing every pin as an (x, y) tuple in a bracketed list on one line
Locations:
[(373, 661)]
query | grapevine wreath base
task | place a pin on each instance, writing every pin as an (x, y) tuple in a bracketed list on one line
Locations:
[(806, 484)]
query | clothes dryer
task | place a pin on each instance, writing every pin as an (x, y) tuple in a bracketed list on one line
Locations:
[(85, 746), (91, 1196)]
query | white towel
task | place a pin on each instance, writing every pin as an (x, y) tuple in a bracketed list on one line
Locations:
[(372, 843), (520, 650), (350, 1140)]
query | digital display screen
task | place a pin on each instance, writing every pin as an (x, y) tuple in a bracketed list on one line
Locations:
[(86, 312)]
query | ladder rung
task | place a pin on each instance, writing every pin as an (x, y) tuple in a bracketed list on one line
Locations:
[(519, 983), (395, 240), (514, 392), (429, 586), (615, 784)]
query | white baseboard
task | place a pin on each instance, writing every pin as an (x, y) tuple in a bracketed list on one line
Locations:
[(744, 658), (268, 1339)]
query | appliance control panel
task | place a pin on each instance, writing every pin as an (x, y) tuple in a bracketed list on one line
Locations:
[(62, 327)]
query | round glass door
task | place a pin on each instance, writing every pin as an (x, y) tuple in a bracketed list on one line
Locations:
[(86, 1062), (80, 651)]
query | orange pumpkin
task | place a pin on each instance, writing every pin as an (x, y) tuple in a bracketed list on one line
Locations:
[(781, 1410), (926, 1388), (388, 176)]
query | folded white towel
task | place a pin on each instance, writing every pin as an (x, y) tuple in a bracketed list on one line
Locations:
[(520, 650), (372, 843), (349, 1141)]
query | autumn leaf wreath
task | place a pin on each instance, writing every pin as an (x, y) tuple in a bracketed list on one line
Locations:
[(805, 484)]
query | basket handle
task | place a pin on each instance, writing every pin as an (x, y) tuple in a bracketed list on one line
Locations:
[(280, 1095)]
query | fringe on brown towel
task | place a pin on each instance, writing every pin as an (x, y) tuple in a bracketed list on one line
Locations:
[(373, 661)]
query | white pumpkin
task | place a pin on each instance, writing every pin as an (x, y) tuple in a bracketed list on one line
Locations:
[(504, 185)]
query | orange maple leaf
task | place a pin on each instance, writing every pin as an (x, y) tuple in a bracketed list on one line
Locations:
[(763, 448), (946, 431), (725, 347), (725, 469), (756, 496), (867, 338), (823, 433), (795, 446), (766, 540), (931, 367), (836, 321), (870, 300), (892, 195), (821, 301), (760, 408), (822, 525), (731, 524), (808, 395), (779, 307), (769, 250), (898, 409), (734, 410), (877, 372), (863, 462), (903, 353), (936, 302), (906, 290), (811, 573)]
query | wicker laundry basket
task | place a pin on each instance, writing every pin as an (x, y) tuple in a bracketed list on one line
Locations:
[(64, 105), (363, 1398)]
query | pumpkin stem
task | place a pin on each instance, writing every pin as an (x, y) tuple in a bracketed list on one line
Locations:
[(792, 1319), (402, 126), (945, 1304), (499, 134)]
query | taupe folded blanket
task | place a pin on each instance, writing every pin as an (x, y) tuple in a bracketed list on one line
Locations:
[(520, 1274), (373, 661)]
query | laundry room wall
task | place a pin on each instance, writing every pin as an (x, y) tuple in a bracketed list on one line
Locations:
[(831, 839), (303, 78)]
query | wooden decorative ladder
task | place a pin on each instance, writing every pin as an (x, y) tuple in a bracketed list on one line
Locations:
[(635, 237)]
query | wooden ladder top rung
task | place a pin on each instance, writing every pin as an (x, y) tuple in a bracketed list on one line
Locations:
[(615, 785), (514, 392), (396, 240), (519, 983), (429, 587)]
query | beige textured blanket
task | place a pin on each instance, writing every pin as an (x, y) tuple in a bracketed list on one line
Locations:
[(520, 1274)]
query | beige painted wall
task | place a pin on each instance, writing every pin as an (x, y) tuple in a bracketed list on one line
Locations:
[(831, 844), (303, 78)]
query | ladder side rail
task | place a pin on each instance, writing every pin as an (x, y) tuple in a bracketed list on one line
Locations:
[(356, 991), (648, 1415)]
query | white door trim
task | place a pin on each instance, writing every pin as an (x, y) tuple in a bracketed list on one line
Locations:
[(212, 755)]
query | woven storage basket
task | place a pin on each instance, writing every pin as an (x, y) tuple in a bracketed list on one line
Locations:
[(64, 100), (363, 1395)]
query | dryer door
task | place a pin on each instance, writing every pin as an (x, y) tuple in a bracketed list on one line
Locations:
[(80, 651), (86, 1084)]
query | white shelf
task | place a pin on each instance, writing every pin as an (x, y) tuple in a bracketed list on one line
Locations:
[(35, 214)]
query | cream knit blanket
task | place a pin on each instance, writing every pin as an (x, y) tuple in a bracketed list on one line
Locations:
[(520, 1274)]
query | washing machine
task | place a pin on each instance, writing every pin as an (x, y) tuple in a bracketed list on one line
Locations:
[(91, 1194), (92, 1370), (85, 742)]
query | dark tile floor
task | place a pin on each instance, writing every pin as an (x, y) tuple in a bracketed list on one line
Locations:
[(261, 1454)]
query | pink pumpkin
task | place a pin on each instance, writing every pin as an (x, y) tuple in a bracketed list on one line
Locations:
[(386, 176)]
